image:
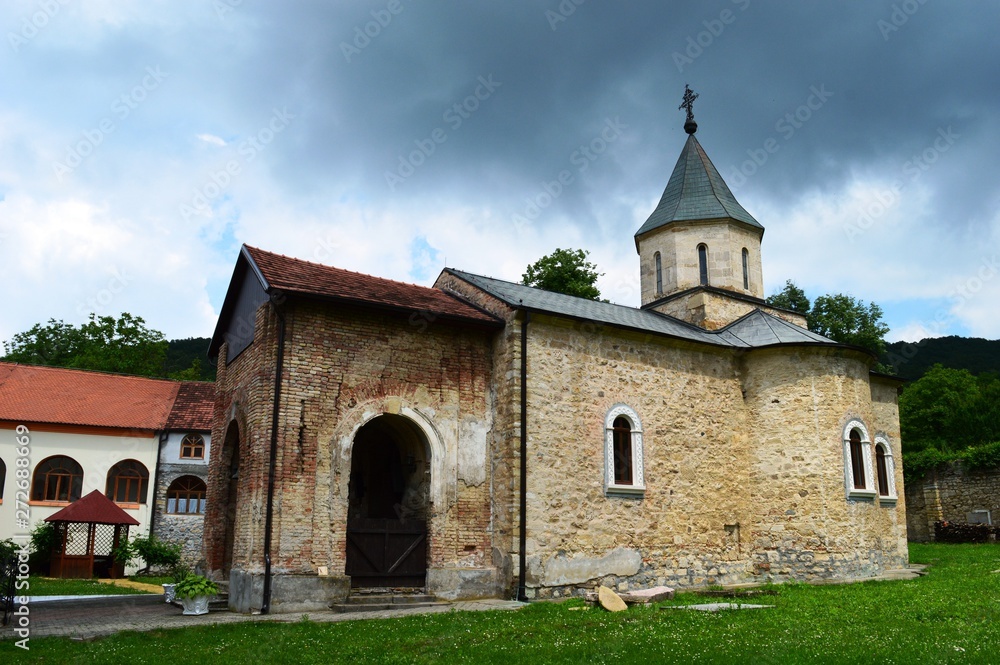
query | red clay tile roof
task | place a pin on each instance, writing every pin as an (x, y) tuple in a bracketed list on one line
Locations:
[(193, 407), (95, 507), (297, 276), (31, 393)]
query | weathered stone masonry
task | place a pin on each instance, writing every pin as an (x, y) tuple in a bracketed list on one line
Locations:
[(950, 494)]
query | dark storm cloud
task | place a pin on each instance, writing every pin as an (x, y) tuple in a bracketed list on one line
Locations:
[(369, 99)]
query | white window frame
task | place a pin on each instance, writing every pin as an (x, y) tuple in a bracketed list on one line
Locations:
[(871, 482), (638, 486), (890, 470)]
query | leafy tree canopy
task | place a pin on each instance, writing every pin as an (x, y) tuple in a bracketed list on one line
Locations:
[(949, 410), (791, 297), (840, 317), (849, 321), (103, 343), (564, 271)]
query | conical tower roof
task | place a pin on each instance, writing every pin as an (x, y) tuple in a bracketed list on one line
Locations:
[(695, 191)]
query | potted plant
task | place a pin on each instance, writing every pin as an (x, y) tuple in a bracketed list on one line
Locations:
[(193, 592), (178, 572)]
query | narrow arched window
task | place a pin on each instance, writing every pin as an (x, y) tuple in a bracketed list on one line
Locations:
[(128, 482), (703, 265), (623, 452), (622, 432), (186, 496), (3, 477), (746, 269), (881, 471), (659, 273), (857, 460), (57, 478)]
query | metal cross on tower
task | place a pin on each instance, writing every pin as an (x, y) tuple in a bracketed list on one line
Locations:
[(688, 103), (690, 126)]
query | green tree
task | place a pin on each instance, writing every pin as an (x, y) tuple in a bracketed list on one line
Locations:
[(840, 317), (103, 343), (564, 271), (791, 297), (950, 410), (930, 408), (849, 321)]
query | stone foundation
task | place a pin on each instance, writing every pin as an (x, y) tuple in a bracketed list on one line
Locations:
[(289, 593), (464, 583), (778, 565)]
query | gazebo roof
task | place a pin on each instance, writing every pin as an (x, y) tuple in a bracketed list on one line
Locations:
[(96, 508)]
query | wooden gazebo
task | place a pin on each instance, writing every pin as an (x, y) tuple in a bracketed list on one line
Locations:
[(88, 531)]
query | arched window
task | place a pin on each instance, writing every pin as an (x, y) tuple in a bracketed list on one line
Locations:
[(3, 477), (128, 482), (703, 265), (193, 447), (659, 273), (746, 269), (623, 452), (186, 496), (57, 478), (885, 470), (857, 460), (621, 439)]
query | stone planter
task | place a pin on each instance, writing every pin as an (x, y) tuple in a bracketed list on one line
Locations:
[(196, 605), (168, 592)]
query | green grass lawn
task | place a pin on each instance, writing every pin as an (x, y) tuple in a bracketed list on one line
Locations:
[(47, 586), (950, 615)]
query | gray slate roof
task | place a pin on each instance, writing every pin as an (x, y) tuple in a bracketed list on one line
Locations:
[(695, 191), (753, 330)]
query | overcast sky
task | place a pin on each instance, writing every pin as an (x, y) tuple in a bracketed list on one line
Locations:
[(142, 142)]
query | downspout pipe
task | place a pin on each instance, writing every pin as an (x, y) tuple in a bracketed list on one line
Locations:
[(265, 606), (523, 535)]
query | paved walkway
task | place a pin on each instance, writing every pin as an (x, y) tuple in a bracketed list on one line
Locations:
[(97, 617)]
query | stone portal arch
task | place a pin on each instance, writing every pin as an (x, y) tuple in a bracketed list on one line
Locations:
[(389, 503)]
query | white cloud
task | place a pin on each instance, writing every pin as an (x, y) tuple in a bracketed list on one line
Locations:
[(213, 139)]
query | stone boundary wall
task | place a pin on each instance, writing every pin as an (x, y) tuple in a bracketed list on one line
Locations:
[(949, 494)]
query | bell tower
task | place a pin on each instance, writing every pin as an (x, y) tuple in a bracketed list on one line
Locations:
[(699, 251)]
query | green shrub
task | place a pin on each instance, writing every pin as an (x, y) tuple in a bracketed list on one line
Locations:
[(917, 464), (44, 539), (156, 552), (193, 586), (974, 458), (8, 549), (986, 456)]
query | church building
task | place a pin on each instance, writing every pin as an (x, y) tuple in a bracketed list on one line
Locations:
[(481, 438)]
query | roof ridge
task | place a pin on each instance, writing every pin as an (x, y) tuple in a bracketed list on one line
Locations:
[(346, 270), (102, 372)]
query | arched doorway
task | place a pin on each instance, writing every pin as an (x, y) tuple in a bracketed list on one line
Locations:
[(388, 500), (231, 463)]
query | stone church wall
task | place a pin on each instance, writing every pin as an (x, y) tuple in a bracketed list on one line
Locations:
[(950, 494), (713, 311), (800, 401), (740, 486), (695, 448)]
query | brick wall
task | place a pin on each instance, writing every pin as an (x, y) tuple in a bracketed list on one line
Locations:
[(344, 366)]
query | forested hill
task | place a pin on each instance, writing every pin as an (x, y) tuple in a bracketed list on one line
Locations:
[(181, 353), (912, 359)]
